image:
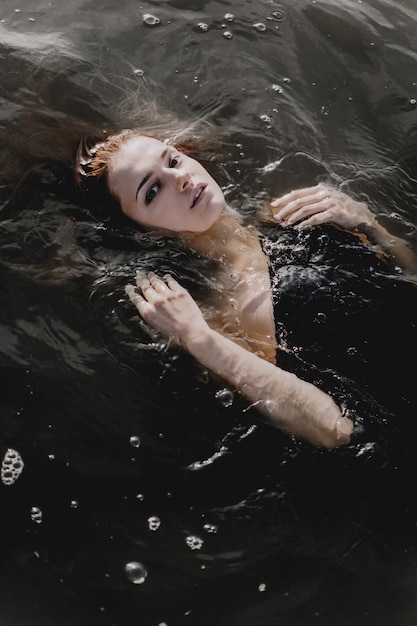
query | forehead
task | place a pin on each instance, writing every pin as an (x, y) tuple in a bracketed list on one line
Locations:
[(137, 149)]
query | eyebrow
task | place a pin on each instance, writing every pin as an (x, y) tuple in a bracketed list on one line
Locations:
[(147, 177)]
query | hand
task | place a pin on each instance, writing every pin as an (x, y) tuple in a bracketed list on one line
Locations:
[(321, 205), (167, 307)]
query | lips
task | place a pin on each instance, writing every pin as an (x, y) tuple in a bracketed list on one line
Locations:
[(197, 194)]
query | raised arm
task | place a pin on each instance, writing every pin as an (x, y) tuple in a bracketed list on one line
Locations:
[(288, 403), (323, 204)]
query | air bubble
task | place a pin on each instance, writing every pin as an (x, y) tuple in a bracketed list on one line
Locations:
[(193, 542), (134, 441), (413, 101), (260, 27), (225, 397), (210, 528), (154, 523), (229, 17), (150, 20), (136, 572), (202, 26), (265, 118), (227, 34), (277, 88), (278, 16), (36, 515), (11, 467)]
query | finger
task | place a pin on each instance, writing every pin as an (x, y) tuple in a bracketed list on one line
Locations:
[(305, 212), (141, 280), (139, 302), (325, 217), (147, 289), (157, 283), (296, 194), (302, 207), (140, 276), (173, 284)]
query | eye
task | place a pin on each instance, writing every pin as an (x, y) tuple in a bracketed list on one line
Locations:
[(152, 193), (174, 161)]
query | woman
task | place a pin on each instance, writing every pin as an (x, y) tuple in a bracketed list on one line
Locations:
[(160, 187)]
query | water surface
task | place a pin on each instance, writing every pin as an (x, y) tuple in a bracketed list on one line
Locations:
[(230, 522)]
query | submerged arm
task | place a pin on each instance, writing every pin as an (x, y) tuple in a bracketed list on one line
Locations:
[(322, 204), (288, 402)]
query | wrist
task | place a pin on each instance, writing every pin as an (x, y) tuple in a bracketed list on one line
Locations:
[(198, 341)]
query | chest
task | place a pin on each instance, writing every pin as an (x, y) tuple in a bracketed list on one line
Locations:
[(244, 302)]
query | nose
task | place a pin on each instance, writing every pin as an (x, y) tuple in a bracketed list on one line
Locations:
[(182, 179)]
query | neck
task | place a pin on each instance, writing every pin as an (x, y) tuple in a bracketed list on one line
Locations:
[(220, 241)]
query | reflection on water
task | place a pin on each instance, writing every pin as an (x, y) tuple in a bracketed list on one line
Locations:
[(136, 498)]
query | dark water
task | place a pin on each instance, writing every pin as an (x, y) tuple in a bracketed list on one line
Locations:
[(232, 523)]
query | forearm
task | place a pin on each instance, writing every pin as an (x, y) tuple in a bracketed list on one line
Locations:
[(287, 402), (392, 245)]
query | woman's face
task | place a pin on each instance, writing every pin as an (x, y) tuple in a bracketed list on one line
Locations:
[(159, 187)]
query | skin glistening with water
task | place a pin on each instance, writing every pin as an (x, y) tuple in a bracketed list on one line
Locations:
[(159, 187)]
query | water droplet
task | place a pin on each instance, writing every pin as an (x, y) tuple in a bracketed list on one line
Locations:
[(193, 542), (225, 396), (259, 26), (154, 522), (227, 34), (36, 515), (134, 441), (150, 20), (11, 467), (269, 405), (136, 572)]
